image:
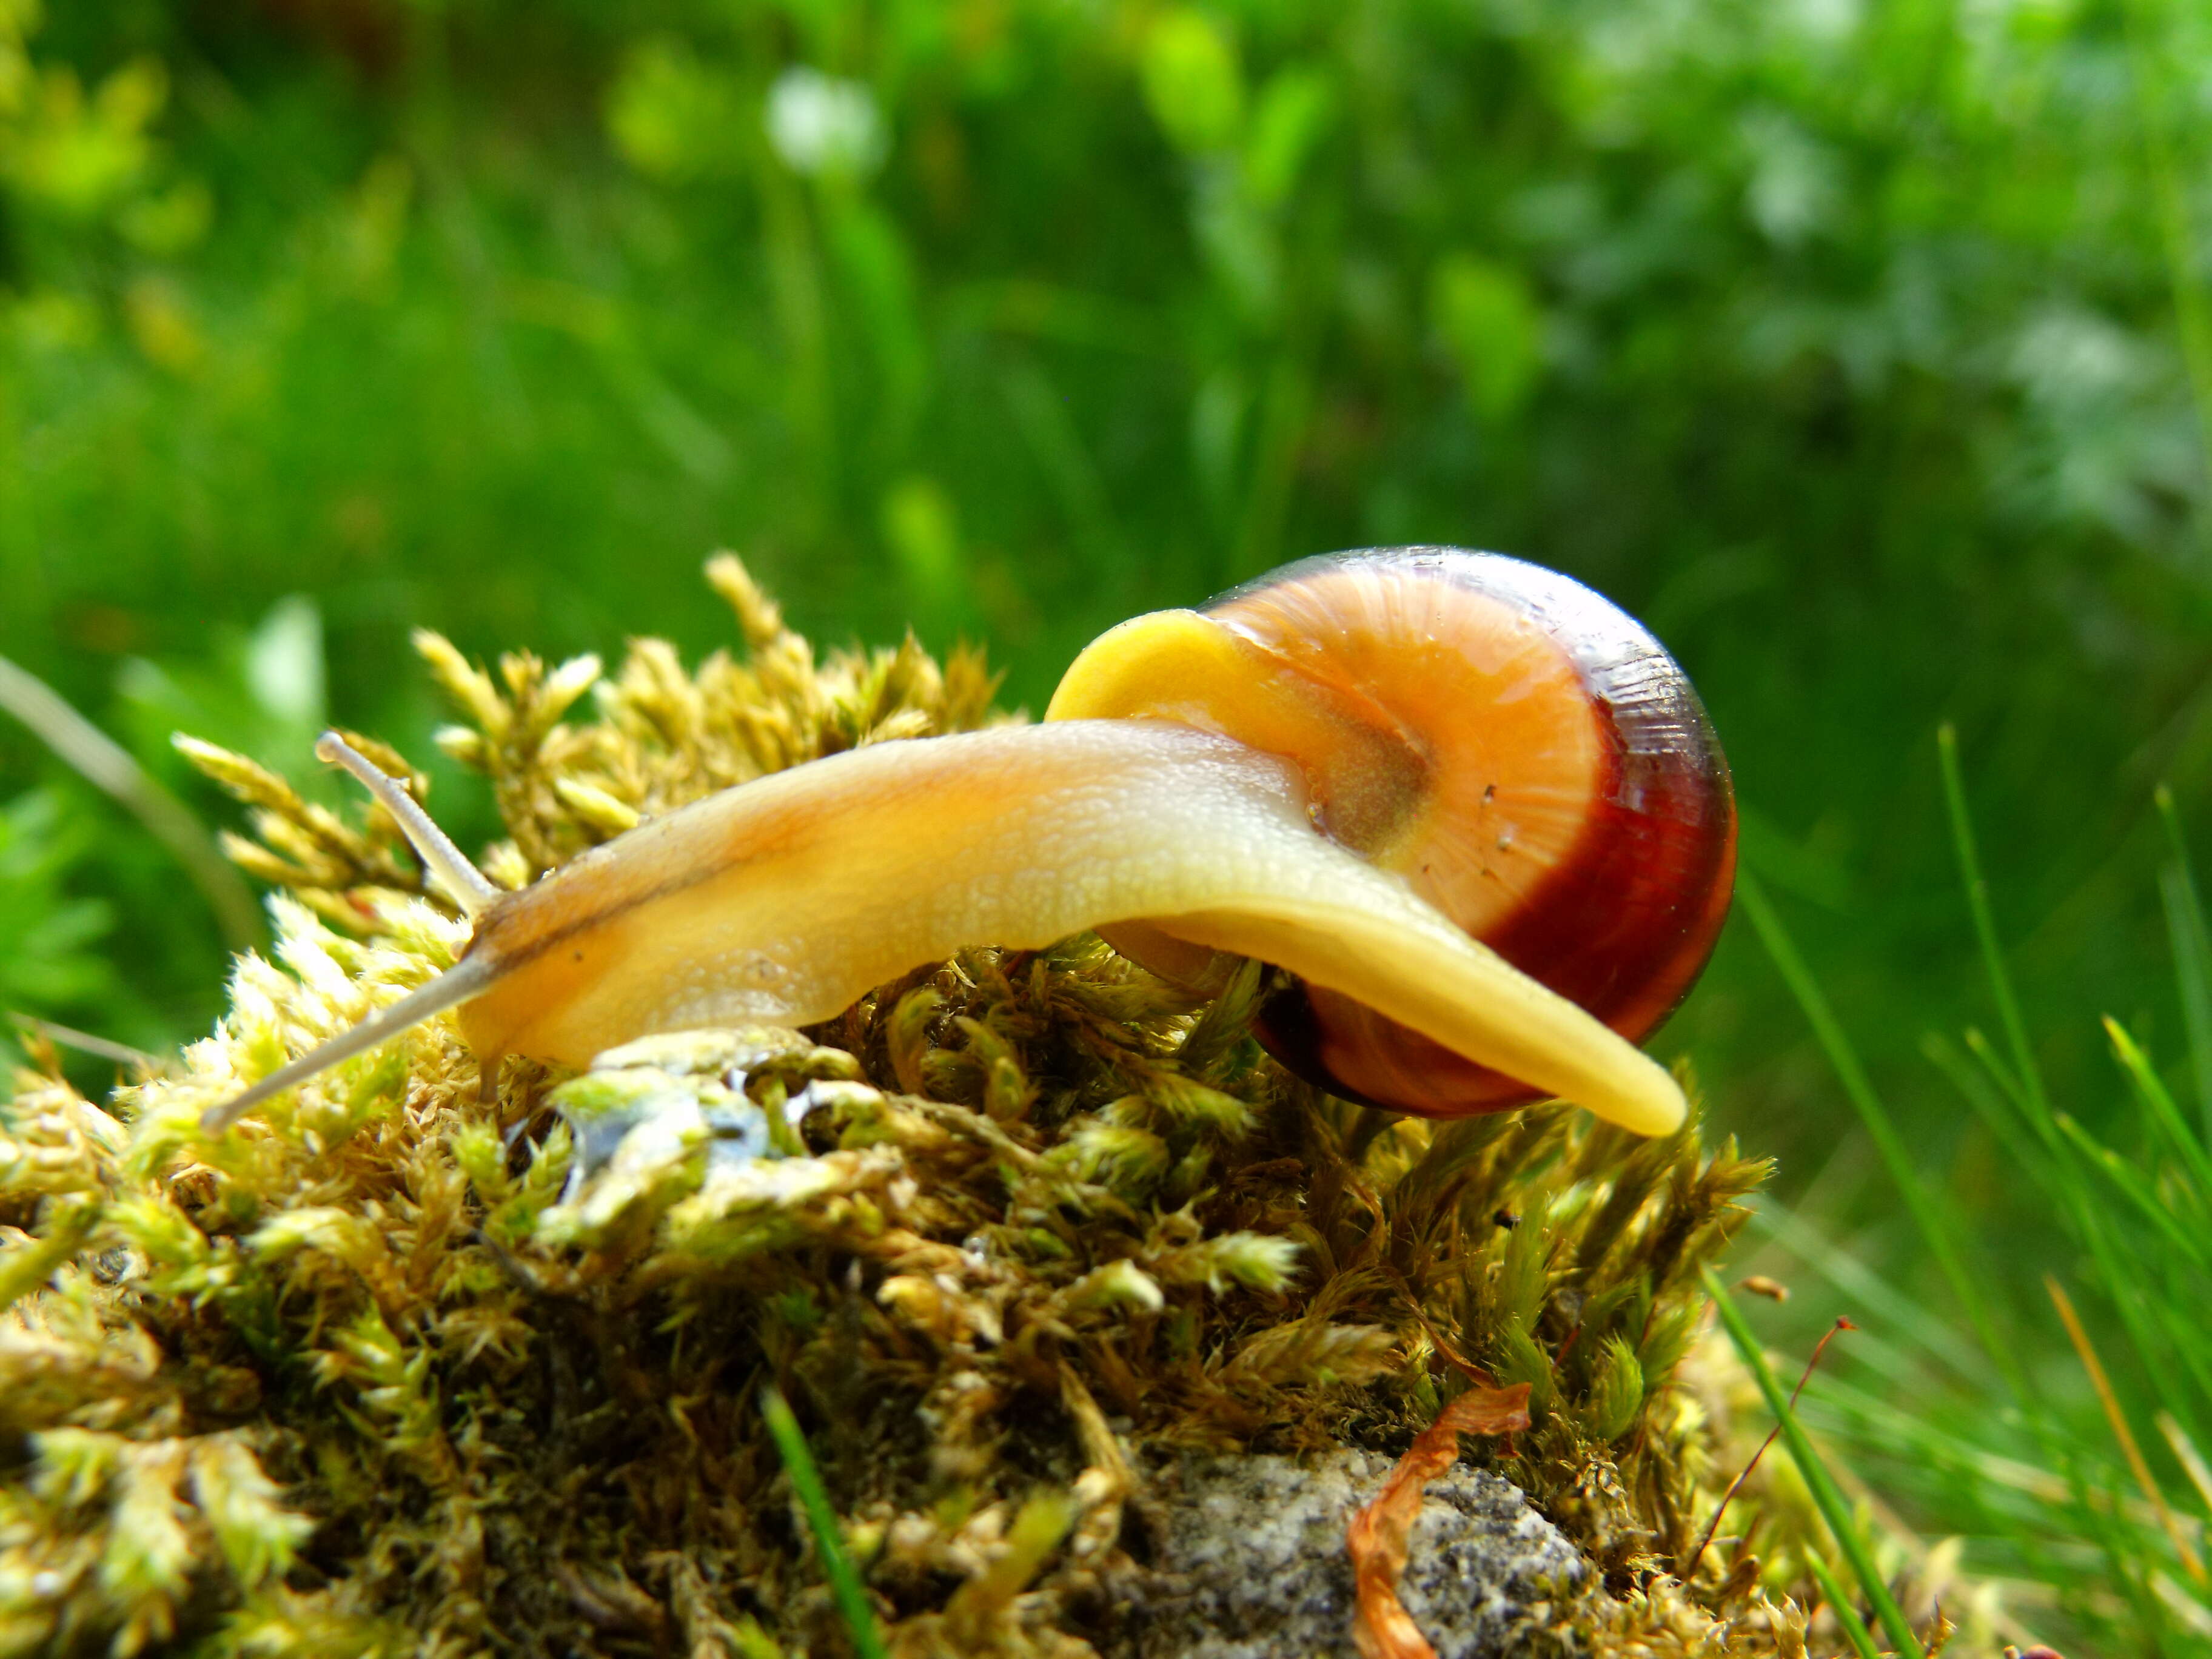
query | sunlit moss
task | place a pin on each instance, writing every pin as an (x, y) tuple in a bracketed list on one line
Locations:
[(397, 1361)]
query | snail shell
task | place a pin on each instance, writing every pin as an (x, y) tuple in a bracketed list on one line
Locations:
[(1516, 747)]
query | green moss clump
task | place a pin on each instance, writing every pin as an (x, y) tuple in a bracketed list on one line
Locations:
[(395, 1366)]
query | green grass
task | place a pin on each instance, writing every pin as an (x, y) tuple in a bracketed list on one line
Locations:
[(2070, 1464), (1842, 1526), (837, 1567)]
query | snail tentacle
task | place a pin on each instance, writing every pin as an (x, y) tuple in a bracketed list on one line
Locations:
[(468, 886), (455, 986)]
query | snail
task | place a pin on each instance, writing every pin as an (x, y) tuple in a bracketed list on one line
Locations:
[(1469, 811)]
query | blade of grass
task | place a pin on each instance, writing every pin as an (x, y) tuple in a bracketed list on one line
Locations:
[(1855, 1630), (1983, 1090), (1826, 1497), (1933, 1226), (2066, 1183), (2129, 1283), (2186, 1453), (104, 764), (2158, 1104), (2054, 1518), (2010, 1090), (1985, 1055), (2121, 1432), (2133, 1188), (1931, 1446), (1845, 1060), (2192, 953), (2124, 1276), (829, 1538), (1689, 1573), (2029, 1074), (1826, 1256), (2193, 1616)]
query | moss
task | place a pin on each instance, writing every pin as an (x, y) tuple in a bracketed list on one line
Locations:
[(401, 1362)]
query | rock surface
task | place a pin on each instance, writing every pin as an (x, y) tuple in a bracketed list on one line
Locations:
[(1253, 1563)]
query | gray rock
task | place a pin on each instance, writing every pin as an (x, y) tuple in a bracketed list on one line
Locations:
[(1252, 1564)]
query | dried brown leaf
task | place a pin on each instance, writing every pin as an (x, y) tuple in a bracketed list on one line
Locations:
[(1377, 1535)]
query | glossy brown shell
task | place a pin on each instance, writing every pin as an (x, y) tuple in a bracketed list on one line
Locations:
[(1592, 845)]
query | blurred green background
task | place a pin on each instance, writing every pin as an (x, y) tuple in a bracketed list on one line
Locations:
[(1860, 346), (1842, 340)]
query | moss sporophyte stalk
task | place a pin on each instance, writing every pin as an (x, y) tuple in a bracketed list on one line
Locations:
[(1025, 1238)]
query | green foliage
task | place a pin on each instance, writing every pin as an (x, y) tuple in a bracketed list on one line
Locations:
[(47, 935), (1488, 320), (1841, 1524), (836, 1564), (1193, 81)]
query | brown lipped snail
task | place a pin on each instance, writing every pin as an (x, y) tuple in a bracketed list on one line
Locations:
[(1469, 811)]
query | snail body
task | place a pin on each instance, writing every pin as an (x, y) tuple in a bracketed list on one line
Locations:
[(1469, 811)]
